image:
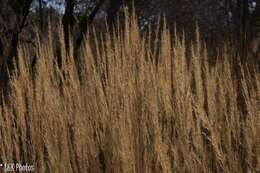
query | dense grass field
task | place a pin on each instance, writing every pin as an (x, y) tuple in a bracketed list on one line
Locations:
[(132, 103)]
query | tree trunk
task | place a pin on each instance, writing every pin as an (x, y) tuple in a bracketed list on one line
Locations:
[(68, 21), (10, 51), (113, 9), (243, 15), (41, 13), (86, 21)]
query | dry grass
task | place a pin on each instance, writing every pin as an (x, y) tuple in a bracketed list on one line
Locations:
[(123, 112)]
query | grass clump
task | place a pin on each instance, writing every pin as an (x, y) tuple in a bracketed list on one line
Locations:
[(131, 104)]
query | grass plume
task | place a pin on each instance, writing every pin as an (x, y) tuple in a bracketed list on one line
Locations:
[(131, 105)]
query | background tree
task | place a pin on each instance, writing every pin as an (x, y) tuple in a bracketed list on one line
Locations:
[(68, 20), (13, 16)]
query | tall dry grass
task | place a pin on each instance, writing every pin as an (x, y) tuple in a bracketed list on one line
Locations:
[(120, 110)]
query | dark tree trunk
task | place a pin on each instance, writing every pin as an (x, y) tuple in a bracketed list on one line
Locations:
[(242, 21), (258, 4), (113, 9), (68, 21), (15, 36), (41, 14), (85, 22), (7, 66)]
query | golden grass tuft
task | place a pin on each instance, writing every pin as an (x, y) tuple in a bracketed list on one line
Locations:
[(125, 107)]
